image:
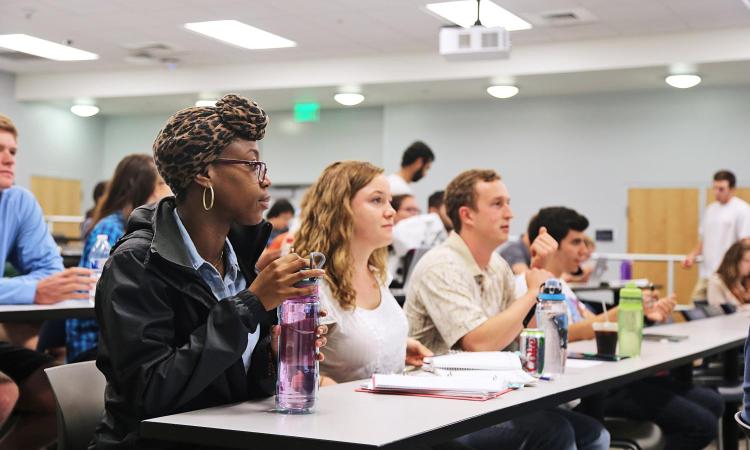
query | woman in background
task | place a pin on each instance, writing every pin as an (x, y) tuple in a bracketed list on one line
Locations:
[(730, 283), (135, 182)]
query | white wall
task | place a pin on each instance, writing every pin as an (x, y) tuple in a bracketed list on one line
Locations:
[(581, 151), (53, 142)]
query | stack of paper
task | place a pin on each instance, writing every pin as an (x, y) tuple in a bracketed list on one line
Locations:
[(467, 388), (463, 375)]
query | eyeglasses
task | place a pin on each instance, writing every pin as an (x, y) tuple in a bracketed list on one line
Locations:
[(258, 167)]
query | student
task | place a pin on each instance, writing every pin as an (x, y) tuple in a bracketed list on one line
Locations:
[(730, 284), (25, 243), (135, 182), (727, 220), (517, 254), (415, 163), (184, 320), (279, 216), (405, 207), (688, 415), (370, 331), (425, 230), (96, 195), (461, 296)]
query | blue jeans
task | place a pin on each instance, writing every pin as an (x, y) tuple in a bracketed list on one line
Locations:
[(554, 428)]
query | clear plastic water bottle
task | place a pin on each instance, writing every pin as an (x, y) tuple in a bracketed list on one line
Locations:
[(552, 319), (630, 320), (298, 377), (97, 257)]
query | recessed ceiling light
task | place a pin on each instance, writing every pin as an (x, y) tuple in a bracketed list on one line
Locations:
[(683, 81), (240, 34), (204, 103), (349, 99), (84, 110), (464, 13), (45, 49), (502, 91)]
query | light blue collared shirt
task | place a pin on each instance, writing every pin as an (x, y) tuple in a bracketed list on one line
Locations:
[(25, 242), (232, 284)]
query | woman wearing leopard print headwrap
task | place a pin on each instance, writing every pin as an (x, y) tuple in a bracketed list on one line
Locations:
[(185, 322)]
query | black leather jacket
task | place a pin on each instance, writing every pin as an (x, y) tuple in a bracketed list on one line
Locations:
[(165, 344)]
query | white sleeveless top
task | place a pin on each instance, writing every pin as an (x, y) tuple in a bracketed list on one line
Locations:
[(362, 341)]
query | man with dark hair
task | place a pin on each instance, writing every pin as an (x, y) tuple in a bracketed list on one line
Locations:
[(415, 163), (461, 297), (726, 221), (279, 216), (687, 414)]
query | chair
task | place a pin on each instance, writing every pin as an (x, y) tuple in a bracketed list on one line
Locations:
[(728, 308), (694, 314), (79, 394), (634, 435), (713, 310)]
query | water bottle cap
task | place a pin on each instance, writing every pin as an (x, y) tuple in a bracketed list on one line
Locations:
[(316, 260), (551, 290), (631, 291)]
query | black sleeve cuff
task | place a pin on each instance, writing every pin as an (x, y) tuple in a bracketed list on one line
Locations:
[(251, 310)]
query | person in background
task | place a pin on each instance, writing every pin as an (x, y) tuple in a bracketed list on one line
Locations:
[(25, 242), (279, 216), (415, 163), (424, 230), (726, 221), (97, 194), (461, 297), (185, 320), (405, 206), (135, 182), (731, 283), (688, 415), (584, 271), (517, 254)]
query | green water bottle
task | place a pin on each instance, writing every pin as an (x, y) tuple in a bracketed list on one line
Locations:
[(630, 320)]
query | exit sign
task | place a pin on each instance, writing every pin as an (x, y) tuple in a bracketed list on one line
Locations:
[(306, 112)]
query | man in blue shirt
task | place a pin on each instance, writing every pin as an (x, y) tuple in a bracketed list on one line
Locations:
[(27, 245)]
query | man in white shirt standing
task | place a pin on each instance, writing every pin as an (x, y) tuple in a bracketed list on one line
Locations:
[(415, 163), (726, 221)]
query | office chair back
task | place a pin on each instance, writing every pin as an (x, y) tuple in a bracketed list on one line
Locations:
[(79, 394), (694, 314)]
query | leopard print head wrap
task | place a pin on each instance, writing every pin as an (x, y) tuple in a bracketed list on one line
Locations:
[(194, 137)]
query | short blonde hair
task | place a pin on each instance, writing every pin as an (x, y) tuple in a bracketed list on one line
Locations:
[(7, 125), (461, 191), (327, 225)]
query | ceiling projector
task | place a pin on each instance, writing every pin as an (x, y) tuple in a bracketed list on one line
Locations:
[(475, 43)]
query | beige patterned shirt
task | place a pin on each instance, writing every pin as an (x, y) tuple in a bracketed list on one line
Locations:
[(449, 295)]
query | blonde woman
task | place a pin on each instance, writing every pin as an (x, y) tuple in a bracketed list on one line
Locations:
[(347, 215)]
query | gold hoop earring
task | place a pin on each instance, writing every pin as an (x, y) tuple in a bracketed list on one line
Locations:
[(208, 207)]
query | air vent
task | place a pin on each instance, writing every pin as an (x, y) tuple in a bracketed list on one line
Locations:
[(561, 17), (19, 56)]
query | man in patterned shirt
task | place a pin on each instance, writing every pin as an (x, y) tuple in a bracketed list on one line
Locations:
[(461, 296)]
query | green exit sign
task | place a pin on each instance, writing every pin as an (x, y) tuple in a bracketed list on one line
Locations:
[(306, 112)]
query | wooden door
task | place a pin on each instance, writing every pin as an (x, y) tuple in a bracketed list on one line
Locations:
[(59, 197), (664, 221)]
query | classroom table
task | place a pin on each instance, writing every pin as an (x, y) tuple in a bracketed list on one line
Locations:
[(348, 419), (68, 309)]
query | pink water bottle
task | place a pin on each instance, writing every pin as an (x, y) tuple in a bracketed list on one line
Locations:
[(298, 377)]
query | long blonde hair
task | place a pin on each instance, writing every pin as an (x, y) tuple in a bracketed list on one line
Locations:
[(327, 225)]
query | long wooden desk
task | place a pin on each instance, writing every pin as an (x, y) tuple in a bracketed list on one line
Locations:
[(347, 419), (67, 309)]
